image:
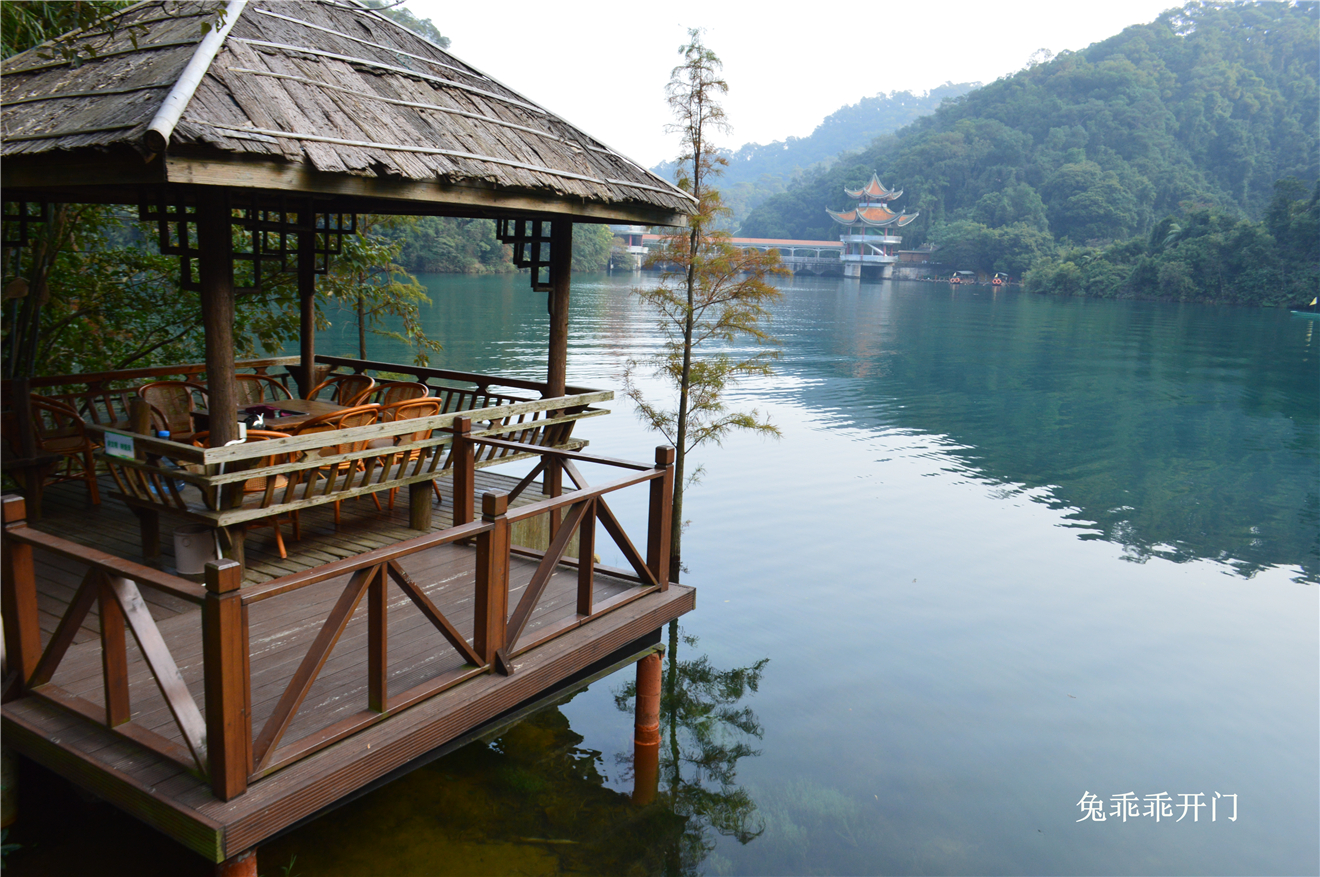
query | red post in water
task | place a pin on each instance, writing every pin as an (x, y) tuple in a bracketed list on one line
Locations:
[(646, 731), (242, 865)]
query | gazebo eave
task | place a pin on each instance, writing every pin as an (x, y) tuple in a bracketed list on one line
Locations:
[(116, 177)]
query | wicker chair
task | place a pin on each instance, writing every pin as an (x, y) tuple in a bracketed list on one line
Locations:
[(172, 405), (57, 429), (255, 389), (391, 392), (346, 390), (409, 409), (360, 415)]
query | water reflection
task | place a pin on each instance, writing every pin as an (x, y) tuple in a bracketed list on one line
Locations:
[(1171, 431), (707, 731), (534, 800)]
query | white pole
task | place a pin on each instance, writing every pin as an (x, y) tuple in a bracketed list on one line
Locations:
[(157, 137)]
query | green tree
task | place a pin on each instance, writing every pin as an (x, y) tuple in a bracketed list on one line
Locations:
[(709, 291), (400, 13), (365, 278), (592, 244)]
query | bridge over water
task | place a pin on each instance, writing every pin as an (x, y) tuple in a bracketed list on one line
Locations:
[(813, 257)]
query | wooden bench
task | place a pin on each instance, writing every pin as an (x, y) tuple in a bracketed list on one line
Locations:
[(207, 485)]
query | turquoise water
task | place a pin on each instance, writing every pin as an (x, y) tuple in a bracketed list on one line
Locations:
[(1009, 551)]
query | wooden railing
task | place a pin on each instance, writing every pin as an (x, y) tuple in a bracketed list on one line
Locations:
[(440, 379), (103, 397), (223, 747), (114, 585), (213, 486)]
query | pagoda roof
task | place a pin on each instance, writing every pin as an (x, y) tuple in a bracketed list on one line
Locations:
[(878, 216), (874, 191)]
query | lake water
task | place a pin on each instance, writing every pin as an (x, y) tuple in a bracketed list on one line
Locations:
[(1010, 551)]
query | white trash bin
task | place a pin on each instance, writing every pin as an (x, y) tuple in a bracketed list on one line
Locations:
[(194, 545)]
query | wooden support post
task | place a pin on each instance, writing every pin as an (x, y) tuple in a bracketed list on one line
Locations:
[(232, 542), (552, 484), (552, 481), (18, 598), (242, 865), (225, 663), (465, 468), (492, 600), (646, 730), (149, 528), (419, 505), (659, 519), (216, 267), (139, 418), (305, 375), (114, 656), (586, 559), (378, 642), (561, 264), (22, 405), (646, 725), (32, 478)]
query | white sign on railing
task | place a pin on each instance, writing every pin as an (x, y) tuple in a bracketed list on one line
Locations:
[(119, 445)]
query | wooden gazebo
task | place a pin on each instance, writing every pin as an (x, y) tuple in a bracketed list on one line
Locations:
[(274, 127)]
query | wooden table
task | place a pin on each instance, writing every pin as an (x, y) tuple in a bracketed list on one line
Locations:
[(300, 411)]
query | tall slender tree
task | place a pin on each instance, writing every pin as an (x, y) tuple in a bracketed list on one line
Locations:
[(709, 291)]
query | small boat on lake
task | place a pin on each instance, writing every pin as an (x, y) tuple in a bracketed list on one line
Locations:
[(1311, 313)]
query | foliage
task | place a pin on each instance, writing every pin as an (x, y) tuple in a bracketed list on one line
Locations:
[(967, 245), (1210, 255), (1202, 109), (376, 291), (450, 245), (592, 244), (77, 30), (756, 171), (108, 300), (424, 26), (709, 291), (89, 296)]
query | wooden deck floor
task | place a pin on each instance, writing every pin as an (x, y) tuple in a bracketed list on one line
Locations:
[(112, 528), (165, 794)]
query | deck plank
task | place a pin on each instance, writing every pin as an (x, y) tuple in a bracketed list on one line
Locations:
[(169, 797)]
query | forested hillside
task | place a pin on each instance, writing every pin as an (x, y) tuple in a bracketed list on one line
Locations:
[(757, 171), (1191, 119)]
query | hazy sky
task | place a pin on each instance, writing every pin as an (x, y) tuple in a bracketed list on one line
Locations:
[(603, 65)]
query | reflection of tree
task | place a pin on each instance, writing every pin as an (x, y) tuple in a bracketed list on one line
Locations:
[(705, 732), (1174, 433)]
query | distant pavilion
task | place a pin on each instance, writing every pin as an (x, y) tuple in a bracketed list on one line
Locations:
[(866, 237)]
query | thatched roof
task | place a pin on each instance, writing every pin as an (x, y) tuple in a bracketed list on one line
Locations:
[(330, 98)]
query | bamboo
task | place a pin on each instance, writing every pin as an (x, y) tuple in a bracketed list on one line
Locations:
[(157, 136)]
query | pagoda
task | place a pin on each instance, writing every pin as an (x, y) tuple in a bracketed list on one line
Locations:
[(867, 238)]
